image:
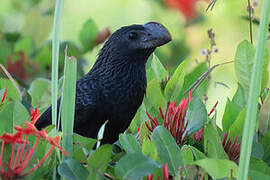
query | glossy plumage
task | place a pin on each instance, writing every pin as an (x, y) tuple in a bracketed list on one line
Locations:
[(114, 88)]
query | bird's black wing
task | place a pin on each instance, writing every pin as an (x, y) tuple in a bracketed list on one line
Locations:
[(88, 117)]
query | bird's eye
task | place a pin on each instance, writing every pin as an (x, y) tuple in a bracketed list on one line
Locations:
[(133, 35)]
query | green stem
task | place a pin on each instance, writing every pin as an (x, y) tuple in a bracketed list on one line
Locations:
[(55, 57), (254, 92)]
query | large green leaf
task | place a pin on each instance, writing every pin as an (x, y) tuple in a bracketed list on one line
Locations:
[(40, 91), (212, 143), (264, 116), (88, 34), (26, 45), (194, 75), (218, 168), (72, 170), (257, 175), (259, 165), (99, 160), (187, 154), (175, 84), (135, 166), (197, 153), (12, 114), (239, 97), (159, 69), (12, 92), (68, 102), (37, 25), (237, 127), (196, 115), (129, 143), (230, 114), (243, 63), (154, 94), (149, 149), (168, 150)]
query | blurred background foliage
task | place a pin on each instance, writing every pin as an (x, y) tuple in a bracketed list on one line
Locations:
[(26, 27)]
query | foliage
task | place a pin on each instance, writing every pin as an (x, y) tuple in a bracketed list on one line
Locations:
[(173, 135)]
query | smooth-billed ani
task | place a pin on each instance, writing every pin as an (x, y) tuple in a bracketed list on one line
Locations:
[(114, 88)]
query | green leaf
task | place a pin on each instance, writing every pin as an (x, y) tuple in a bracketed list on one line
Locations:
[(129, 143), (264, 116), (72, 170), (212, 143), (40, 91), (154, 94), (259, 165), (12, 114), (230, 114), (187, 154), (12, 92), (135, 166), (239, 97), (175, 84), (218, 168), (196, 115), (194, 75), (197, 153), (5, 50), (80, 145), (25, 45), (68, 102), (257, 175), (88, 34), (149, 149), (265, 76), (37, 25), (100, 159), (158, 68), (44, 57), (243, 63), (168, 150), (237, 127), (266, 146)]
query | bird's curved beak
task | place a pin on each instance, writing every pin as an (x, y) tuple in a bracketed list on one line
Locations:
[(157, 35)]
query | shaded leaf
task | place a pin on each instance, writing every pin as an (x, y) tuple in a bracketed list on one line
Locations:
[(129, 143), (175, 84), (72, 170), (230, 114), (218, 168), (264, 116), (167, 148), (135, 166)]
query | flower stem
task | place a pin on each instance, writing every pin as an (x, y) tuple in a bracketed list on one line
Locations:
[(40, 162), (24, 143)]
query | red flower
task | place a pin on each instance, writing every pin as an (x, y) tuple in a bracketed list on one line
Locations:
[(15, 169), (165, 172), (232, 149), (4, 95), (186, 7), (174, 120)]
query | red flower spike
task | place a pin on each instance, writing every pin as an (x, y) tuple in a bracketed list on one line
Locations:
[(34, 116), (232, 149), (150, 177), (165, 171), (174, 120), (4, 95)]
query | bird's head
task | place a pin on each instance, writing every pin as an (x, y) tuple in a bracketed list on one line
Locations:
[(139, 40)]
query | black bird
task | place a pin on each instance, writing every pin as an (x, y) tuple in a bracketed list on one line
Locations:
[(114, 88)]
